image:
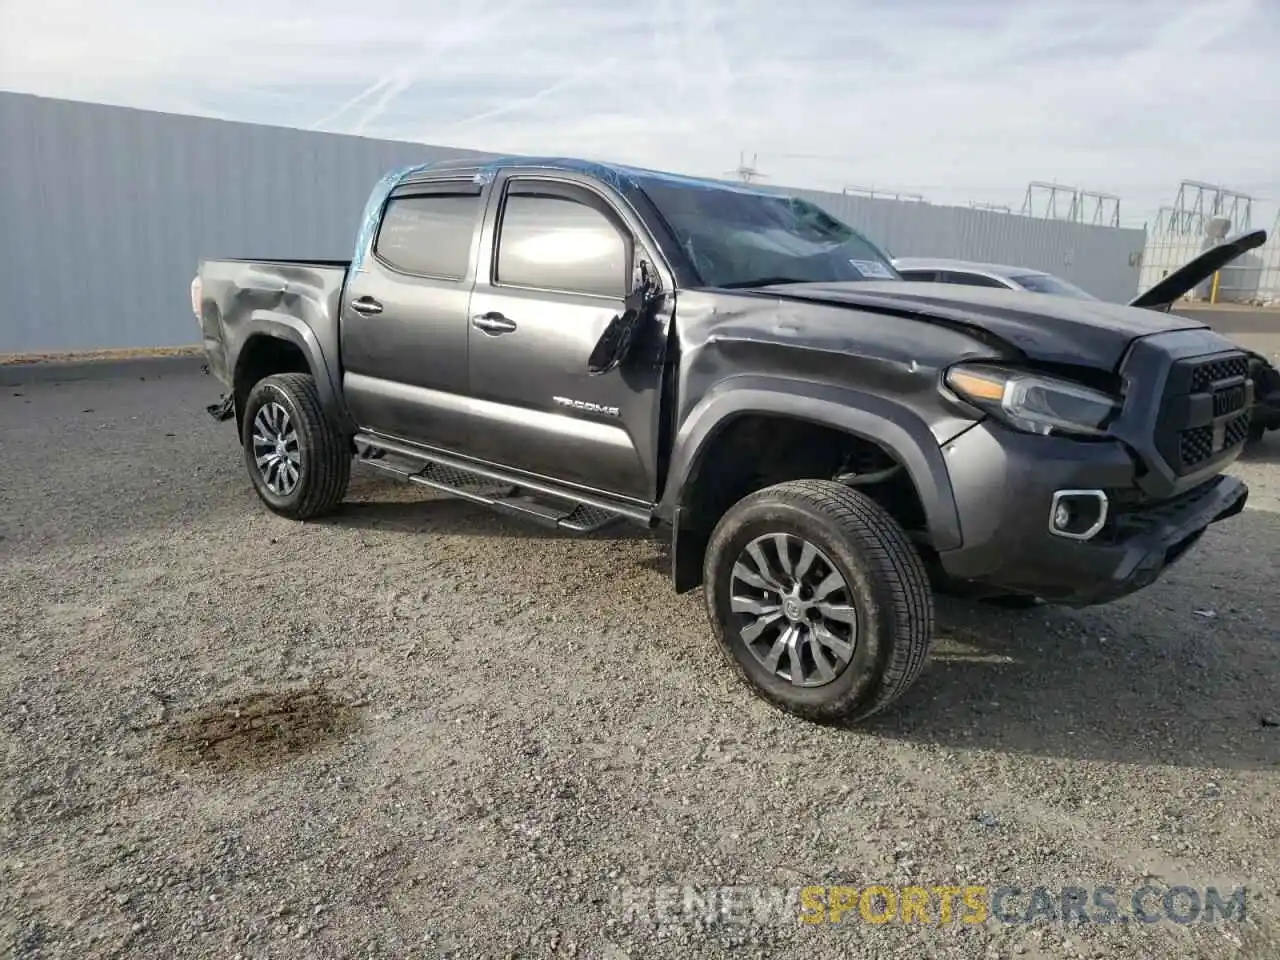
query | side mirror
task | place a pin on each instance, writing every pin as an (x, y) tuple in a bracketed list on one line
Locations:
[(614, 344)]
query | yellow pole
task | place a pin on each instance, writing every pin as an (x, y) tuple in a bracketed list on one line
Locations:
[(1213, 294)]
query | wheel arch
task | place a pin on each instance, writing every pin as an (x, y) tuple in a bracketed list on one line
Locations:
[(876, 423), (274, 342)]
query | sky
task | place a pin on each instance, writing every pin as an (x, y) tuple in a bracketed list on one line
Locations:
[(960, 101)]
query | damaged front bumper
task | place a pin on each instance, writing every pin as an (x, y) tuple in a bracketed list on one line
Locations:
[(1009, 488)]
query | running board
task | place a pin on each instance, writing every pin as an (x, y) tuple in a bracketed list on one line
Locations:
[(544, 504)]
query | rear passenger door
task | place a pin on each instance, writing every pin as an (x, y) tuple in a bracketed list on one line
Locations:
[(404, 315), (557, 262)]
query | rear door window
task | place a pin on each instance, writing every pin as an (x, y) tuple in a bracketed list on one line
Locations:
[(429, 234)]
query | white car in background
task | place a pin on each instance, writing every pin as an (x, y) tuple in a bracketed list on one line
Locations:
[(971, 274)]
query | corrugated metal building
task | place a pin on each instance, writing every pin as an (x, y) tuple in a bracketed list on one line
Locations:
[(105, 212)]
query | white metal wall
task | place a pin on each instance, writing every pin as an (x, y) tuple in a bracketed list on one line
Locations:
[(105, 212)]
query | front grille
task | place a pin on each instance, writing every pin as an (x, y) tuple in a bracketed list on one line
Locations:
[(1232, 398), (1205, 375), (1237, 429), (1205, 410), (1196, 445)]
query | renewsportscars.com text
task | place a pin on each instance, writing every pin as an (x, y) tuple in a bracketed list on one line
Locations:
[(940, 904)]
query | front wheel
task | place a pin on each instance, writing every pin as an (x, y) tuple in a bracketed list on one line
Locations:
[(818, 600), (298, 461)]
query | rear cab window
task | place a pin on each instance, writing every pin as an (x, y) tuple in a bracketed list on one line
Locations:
[(427, 230)]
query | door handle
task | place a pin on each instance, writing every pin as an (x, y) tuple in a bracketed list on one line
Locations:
[(493, 323), (367, 306)]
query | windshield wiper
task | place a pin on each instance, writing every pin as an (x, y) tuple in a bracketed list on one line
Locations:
[(762, 282)]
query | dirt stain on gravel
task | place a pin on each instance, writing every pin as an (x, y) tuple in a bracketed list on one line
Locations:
[(258, 730)]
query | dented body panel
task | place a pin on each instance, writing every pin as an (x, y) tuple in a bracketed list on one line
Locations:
[(247, 301), (497, 377)]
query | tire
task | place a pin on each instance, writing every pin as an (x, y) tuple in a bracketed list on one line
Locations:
[(323, 458), (883, 579)]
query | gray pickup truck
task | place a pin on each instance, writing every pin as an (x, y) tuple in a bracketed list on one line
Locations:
[(824, 443)]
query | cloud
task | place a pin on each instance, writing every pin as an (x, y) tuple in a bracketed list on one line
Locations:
[(954, 101)]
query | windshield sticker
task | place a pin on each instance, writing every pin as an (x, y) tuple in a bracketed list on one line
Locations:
[(870, 268)]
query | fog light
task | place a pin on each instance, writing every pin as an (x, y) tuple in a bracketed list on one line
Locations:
[(1078, 514), (1062, 517)]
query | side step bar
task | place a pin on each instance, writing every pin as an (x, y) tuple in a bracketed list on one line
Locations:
[(545, 504)]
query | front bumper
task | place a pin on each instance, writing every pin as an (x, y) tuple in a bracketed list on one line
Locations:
[(1005, 483)]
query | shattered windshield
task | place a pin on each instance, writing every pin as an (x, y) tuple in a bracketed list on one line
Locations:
[(738, 238)]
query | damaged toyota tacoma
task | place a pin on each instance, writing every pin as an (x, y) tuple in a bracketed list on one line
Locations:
[(823, 442)]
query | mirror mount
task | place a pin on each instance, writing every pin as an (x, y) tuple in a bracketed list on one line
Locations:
[(615, 343)]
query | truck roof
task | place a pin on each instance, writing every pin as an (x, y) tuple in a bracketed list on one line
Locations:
[(616, 175)]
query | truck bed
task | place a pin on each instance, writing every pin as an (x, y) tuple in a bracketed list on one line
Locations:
[(236, 293)]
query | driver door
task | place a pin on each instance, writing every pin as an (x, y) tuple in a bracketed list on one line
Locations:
[(556, 264)]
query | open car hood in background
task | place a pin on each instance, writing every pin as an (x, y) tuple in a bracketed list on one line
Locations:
[(1186, 277)]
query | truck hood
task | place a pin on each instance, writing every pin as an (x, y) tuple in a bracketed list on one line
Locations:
[(1186, 277), (1043, 328)]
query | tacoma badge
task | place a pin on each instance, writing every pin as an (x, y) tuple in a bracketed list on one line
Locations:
[(587, 406)]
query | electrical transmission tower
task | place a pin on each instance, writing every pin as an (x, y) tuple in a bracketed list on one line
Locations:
[(746, 172), (1054, 201), (1197, 203)]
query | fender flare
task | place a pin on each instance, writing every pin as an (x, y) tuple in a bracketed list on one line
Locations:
[(291, 329), (894, 427)]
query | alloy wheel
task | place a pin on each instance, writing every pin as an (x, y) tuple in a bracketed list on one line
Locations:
[(795, 609), (275, 449)]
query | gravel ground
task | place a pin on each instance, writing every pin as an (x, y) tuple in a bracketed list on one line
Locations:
[(418, 729)]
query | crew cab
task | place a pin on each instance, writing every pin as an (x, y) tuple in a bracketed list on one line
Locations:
[(578, 344)]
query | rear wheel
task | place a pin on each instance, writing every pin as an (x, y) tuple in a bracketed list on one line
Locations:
[(298, 460), (818, 600)]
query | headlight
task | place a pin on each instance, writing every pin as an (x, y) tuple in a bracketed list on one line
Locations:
[(1034, 402)]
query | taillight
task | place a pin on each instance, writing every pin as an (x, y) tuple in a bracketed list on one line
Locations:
[(196, 292)]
